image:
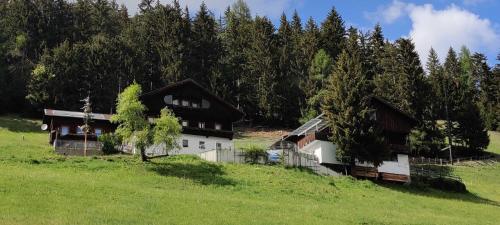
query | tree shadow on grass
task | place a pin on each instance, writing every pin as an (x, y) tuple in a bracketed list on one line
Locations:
[(200, 172), (17, 124), (434, 193)]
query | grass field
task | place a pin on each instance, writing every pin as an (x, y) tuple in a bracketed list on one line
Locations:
[(39, 187)]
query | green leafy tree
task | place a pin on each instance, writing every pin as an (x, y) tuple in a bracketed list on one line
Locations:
[(167, 130), (133, 126)]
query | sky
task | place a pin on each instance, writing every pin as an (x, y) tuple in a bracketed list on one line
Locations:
[(439, 24)]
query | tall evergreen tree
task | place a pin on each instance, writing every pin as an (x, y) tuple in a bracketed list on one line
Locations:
[(319, 72), (311, 41), (332, 34), (348, 112), (237, 21), (205, 46), (262, 69), (488, 95)]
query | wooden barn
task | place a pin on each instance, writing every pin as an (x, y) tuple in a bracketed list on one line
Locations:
[(312, 138)]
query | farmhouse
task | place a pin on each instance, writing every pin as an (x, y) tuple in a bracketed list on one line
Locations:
[(207, 121), (312, 138), (65, 132)]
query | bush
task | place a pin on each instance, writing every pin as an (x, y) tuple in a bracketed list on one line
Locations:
[(440, 183), (109, 143), (254, 153)]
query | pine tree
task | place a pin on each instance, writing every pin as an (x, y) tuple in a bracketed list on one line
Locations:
[(287, 77), (332, 34), (412, 87), (238, 23), (319, 72), (205, 46), (386, 84), (311, 41), (261, 66), (348, 111), (488, 94), (376, 48)]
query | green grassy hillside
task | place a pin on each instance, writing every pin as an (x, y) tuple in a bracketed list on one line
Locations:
[(39, 187)]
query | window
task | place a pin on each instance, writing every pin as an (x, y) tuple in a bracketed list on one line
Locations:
[(202, 145), (185, 103), (218, 126), (201, 125), (167, 99), (97, 132), (205, 104), (185, 143), (195, 105), (218, 146), (185, 123), (175, 102), (64, 130), (79, 130)]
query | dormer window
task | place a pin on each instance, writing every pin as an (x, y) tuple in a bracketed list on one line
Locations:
[(175, 102), (185, 103), (201, 125), (218, 126)]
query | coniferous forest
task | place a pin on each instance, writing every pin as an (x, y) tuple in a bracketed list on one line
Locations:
[(53, 53)]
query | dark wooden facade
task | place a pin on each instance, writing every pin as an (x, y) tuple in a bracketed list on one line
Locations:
[(396, 125), (63, 125), (200, 111)]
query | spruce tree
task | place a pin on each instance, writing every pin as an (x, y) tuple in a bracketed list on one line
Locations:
[(319, 72), (332, 34), (488, 94), (261, 66), (348, 111), (376, 48), (311, 40), (205, 46), (238, 24)]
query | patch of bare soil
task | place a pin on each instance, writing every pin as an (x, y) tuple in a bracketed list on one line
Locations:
[(274, 133)]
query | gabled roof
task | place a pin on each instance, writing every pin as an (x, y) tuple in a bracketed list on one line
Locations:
[(203, 89), (390, 105), (73, 114)]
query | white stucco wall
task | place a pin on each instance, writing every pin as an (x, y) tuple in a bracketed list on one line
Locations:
[(402, 166), (193, 145), (325, 151)]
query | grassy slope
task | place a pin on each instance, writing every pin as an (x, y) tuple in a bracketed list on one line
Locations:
[(38, 187), (494, 142)]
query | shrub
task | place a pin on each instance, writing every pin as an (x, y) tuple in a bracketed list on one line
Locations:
[(254, 153), (109, 143)]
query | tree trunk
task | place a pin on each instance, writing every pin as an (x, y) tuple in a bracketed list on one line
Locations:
[(144, 157)]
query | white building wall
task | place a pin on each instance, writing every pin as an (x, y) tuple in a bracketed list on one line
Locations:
[(325, 151), (193, 145), (402, 166)]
